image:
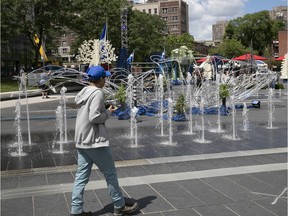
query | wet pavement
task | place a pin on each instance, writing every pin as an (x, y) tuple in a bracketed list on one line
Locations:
[(223, 177)]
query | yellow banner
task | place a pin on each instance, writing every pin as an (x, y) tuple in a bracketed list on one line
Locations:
[(41, 50)]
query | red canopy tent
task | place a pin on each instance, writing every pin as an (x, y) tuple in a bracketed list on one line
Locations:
[(202, 60), (280, 58), (212, 58), (249, 57)]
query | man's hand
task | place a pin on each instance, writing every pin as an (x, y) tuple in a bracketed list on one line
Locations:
[(111, 108)]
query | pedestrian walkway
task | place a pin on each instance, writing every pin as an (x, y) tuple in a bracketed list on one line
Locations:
[(225, 177)]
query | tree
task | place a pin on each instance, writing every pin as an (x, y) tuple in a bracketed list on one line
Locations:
[(230, 48), (175, 41), (87, 19), (256, 29), (146, 33), (41, 17)]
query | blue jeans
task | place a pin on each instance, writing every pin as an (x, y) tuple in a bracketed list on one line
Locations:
[(102, 157)]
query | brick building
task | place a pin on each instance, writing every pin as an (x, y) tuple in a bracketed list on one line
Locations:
[(174, 12)]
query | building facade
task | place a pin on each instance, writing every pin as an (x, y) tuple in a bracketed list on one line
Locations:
[(174, 12), (218, 30), (282, 43), (280, 47), (279, 13), (64, 46)]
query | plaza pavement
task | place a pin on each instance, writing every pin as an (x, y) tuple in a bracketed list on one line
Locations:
[(222, 178)]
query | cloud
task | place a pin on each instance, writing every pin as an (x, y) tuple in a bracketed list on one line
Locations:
[(204, 13)]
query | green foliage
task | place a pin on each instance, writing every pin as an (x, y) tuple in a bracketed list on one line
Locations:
[(279, 86), (146, 34), (180, 104), (224, 90), (230, 48), (8, 85), (90, 19), (120, 95), (31, 17), (173, 42), (256, 29)]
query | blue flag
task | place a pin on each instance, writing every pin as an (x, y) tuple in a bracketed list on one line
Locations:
[(103, 34), (130, 58)]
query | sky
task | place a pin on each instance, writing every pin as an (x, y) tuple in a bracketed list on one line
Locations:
[(204, 13)]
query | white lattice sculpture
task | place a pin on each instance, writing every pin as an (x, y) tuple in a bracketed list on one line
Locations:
[(284, 67), (96, 52)]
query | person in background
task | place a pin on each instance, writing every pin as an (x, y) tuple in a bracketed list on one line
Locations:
[(93, 146), (44, 83)]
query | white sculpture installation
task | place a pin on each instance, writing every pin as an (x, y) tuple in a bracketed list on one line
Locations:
[(96, 52)]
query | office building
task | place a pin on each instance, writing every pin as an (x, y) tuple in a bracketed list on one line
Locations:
[(218, 30), (174, 12)]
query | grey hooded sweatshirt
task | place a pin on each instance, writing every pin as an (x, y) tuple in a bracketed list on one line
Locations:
[(90, 130)]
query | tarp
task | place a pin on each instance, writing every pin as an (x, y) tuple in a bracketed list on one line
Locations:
[(212, 58), (249, 56), (280, 58)]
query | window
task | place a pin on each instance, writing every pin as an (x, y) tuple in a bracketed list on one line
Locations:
[(64, 51), (149, 11), (164, 10), (144, 10), (174, 9), (155, 10), (165, 18), (174, 27), (174, 18)]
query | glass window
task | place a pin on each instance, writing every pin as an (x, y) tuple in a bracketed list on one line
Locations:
[(164, 10), (174, 18), (155, 10), (149, 11), (144, 10), (174, 9)]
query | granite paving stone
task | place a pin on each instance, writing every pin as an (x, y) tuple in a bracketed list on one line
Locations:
[(207, 194), (9, 182), (249, 208), (279, 208), (278, 158), (230, 189), (62, 161), (181, 212), (91, 201), (19, 163), (149, 199), (18, 206), (278, 179), (177, 196), (51, 205), (252, 184), (157, 168), (133, 171), (60, 178), (33, 180), (40, 163), (180, 167), (215, 210)]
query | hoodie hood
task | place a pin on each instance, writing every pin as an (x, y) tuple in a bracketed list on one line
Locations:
[(82, 97)]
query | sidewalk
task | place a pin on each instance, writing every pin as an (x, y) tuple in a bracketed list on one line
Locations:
[(220, 178)]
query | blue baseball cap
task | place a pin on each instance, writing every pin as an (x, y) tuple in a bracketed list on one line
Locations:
[(97, 72)]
